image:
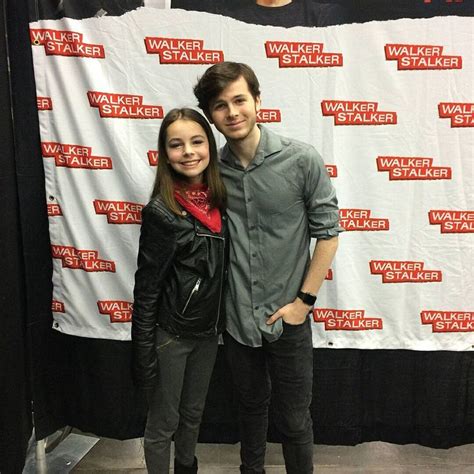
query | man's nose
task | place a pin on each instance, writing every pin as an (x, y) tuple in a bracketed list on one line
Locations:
[(233, 111)]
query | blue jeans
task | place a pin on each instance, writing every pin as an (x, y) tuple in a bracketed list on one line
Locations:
[(283, 370)]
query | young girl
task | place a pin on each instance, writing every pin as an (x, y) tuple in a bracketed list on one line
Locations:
[(178, 308)]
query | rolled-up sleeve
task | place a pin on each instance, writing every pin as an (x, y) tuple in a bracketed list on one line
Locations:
[(320, 198)]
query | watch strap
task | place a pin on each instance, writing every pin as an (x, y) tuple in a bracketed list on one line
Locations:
[(307, 298)]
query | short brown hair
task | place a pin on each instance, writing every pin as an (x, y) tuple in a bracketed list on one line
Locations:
[(166, 176), (218, 77)]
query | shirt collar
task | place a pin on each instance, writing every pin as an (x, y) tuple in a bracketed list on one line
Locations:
[(269, 144)]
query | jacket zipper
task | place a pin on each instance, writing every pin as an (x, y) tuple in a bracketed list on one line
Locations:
[(194, 290), (222, 274)]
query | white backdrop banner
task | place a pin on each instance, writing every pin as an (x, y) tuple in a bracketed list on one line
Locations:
[(389, 105)]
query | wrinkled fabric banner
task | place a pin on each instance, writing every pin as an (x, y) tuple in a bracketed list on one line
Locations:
[(389, 105)]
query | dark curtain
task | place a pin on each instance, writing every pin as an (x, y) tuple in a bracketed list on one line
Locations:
[(15, 411), (354, 10), (335, 12), (370, 10), (30, 364), (394, 396)]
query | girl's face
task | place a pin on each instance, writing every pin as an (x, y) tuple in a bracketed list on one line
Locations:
[(187, 148)]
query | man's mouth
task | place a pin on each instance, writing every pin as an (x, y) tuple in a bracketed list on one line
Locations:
[(234, 124)]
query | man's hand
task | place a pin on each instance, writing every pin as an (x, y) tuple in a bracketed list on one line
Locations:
[(292, 313)]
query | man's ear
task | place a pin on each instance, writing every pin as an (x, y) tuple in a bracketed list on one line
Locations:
[(258, 103)]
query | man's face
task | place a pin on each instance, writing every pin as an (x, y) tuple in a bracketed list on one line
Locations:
[(234, 111)]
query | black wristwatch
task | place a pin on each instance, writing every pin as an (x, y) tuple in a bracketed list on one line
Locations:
[(307, 298)]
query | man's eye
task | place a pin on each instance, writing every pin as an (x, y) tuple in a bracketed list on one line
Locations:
[(218, 106)]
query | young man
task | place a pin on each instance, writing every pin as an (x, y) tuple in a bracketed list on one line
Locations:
[(279, 195)]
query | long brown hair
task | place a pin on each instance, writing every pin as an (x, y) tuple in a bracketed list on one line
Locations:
[(166, 176)]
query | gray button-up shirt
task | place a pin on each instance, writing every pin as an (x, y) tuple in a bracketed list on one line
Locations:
[(282, 199)]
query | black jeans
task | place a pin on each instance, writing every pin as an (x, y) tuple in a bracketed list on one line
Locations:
[(177, 402), (284, 370)]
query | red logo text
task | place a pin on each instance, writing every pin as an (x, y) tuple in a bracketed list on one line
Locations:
[(348, 112), (332, 170), (75, 156), (182, 51), (119, 212), (448, 321), (301, 54), (420, 56), (345, 319), (76, 259), (44, 103), (54, 210), (461, 114), (412, 168), (394, 271), (119, 311), (152, 157), (453, 222), (359, 219), (126, 106), (268, 115), (65, 43), (57, 306)]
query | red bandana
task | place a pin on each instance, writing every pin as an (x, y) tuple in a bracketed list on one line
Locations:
[(195, 199)]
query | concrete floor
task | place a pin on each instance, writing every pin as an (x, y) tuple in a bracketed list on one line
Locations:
[(117, 457)]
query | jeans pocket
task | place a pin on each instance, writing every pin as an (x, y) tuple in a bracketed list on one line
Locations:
[(293, 326), (163, 339)]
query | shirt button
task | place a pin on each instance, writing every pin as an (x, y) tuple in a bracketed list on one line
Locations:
[(256, 307), (249, 199), (254, 255), (255, 282), (251, 227)]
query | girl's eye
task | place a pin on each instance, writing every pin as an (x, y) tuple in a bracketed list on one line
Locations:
[(174, 145), (198, 142)]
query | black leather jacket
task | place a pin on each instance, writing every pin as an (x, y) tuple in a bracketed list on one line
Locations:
[(179, 283)]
